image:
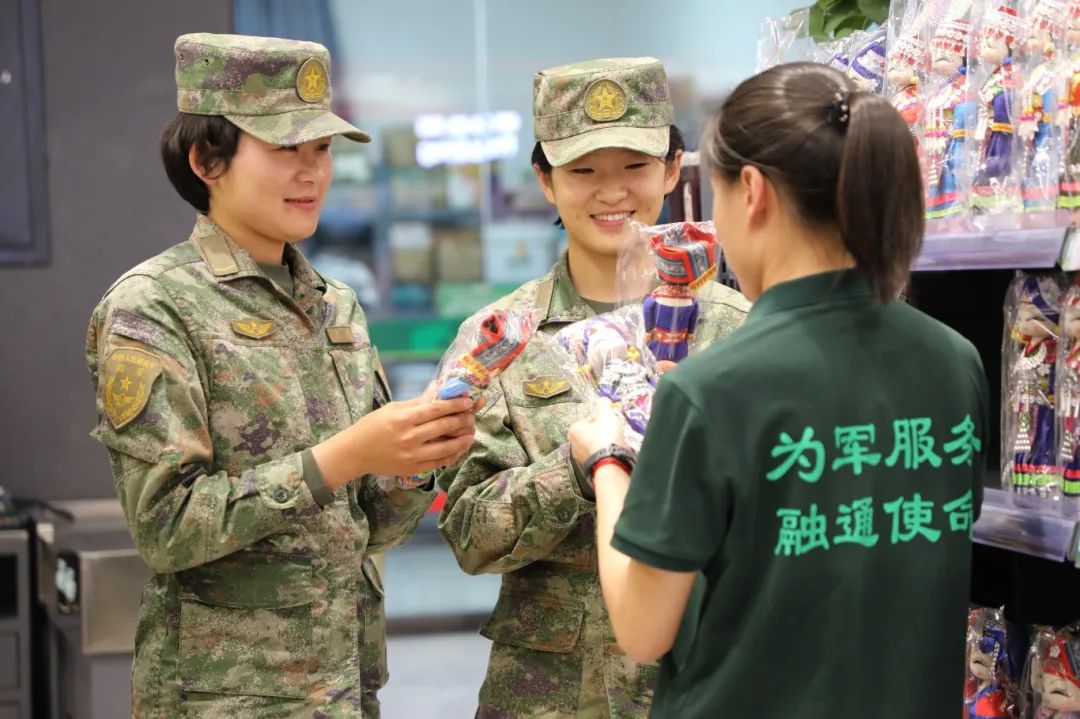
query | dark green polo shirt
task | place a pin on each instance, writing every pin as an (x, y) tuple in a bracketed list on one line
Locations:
[(820, 467)]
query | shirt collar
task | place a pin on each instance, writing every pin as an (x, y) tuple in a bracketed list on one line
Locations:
[(823, 288)]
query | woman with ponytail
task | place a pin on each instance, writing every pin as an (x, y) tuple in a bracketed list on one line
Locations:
[(795, 538)]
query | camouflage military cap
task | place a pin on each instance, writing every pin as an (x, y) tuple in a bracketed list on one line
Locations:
[(277, 90), (615, 102)]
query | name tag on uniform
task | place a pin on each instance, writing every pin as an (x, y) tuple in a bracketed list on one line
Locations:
[(254, 328), (341, 334), (545, 387)]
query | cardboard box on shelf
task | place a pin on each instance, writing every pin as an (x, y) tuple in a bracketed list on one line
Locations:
[(459, 254), (411, 250), (417, 190), (516, 251)]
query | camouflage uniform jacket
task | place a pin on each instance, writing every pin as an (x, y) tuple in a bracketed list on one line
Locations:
[(262, 603), (515, 507)]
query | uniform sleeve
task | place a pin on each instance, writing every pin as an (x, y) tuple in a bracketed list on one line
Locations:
[(152, 418), (501, 512), (674, 514)]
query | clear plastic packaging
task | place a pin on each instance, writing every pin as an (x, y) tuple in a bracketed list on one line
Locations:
[(1029, 698), (1068, 394), (949, 117), (662, 267), (867, 66), (988, 691), (1069, 189), (485, 346), (1057, 682), (835, 53), (605, 357), (784, 39), (1029, 446), (995, 151), (1042, 120)]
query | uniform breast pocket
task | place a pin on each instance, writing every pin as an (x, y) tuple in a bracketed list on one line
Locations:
[(541, 412), (247, 630), (355, 369), (258, 410)]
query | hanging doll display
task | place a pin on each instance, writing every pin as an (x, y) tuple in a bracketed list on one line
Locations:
[(1069, 189), (685, 256), (483, 352), (1029, 446), (1029, 698), (867, 67), (995, 189), (1068, 395), (1040, 119), (1059, 696), (607, 352), (948, 117), (986, 689), (906, 61)]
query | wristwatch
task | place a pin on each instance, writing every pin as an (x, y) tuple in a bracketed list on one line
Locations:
[(623, 456)]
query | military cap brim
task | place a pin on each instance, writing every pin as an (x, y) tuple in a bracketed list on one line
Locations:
[(297, 127), (652, 141)]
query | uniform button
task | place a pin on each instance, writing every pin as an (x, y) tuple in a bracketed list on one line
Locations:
[(281, 494), (563, 515)]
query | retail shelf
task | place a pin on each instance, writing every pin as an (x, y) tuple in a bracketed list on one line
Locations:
[(1004, 250), (1029, 525)]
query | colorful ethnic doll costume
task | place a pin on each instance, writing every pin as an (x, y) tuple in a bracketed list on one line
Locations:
[(986, 690), (607, 353), (1040, 129), (1060, 695), (1068, 394), (948, 116), (685, 257), (1069, 195), (994, 188), (1031, 387), (867, 67), (906, 60), (500, 338)]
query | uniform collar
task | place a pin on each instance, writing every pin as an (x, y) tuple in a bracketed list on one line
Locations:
[(566, 304), (228, 261), (827, 287)]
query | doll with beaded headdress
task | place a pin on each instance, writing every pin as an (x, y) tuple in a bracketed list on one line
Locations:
[(1069, 188), (685, 257), (906, 60), (994, 188), (1068, 393), (1030, 428), (867, 67), (987, 688), (948, 115), (1059, 695), (1040, 132)]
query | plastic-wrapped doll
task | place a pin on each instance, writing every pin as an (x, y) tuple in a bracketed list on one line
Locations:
[(1031, 368), (1068, 392), (867, 66), (685, 258), (1060, 696), (994, 189), (986, 691), (1040, 131), (1029, 699), (605, 351), (948, 115), (905, 61), (1069, 196), (498, 340)]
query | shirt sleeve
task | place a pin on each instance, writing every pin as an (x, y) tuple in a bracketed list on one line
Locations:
[(675, 515)]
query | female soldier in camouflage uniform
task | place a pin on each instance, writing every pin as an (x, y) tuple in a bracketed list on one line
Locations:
[(240, 397), (515, 504)]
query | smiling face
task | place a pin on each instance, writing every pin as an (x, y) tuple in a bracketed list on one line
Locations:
[(272, 192), (599, 194)]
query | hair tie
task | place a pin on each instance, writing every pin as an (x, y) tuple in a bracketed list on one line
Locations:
[(840, 111)]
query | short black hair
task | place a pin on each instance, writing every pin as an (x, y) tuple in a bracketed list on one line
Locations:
[(843, 159), (216, 139), (675, 143)]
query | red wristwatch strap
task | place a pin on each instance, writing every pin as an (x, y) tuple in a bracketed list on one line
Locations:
[(612, 461)]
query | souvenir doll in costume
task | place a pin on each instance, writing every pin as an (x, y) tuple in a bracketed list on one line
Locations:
[(1030, 426), (948, 117), (497, 340), (685, 258), (867, 66), (1060, 698), (995, 188), (1069, 195), (986, 690), (1040, 131), (1068, 394), (906, 61)]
